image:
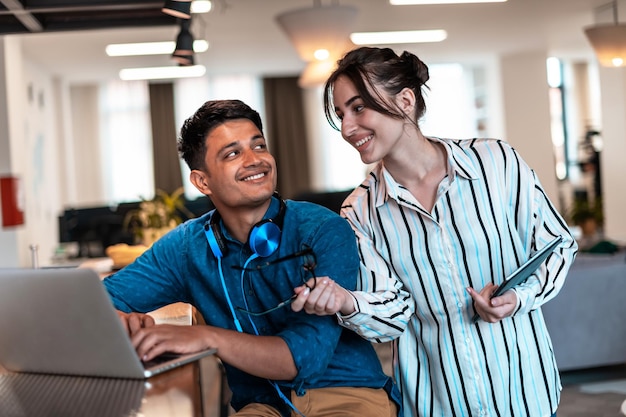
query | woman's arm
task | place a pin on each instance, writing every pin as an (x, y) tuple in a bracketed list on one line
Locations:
[(380, 307)]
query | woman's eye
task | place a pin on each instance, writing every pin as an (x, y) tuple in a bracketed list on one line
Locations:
[(359, 108)]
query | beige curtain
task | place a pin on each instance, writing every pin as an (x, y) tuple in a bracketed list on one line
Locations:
[(286, 134), (167, 172)]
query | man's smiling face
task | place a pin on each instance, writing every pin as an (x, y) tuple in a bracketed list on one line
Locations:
[(240, 169)]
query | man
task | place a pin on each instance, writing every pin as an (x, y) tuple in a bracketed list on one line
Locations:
[(239, 265)]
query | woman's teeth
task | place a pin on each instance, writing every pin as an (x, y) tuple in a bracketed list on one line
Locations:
[(363, 141)]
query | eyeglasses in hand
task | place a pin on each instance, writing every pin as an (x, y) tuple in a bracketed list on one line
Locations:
[(309, 264)]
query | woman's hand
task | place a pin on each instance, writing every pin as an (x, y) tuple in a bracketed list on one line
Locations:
[(492, 310), (326, 298)]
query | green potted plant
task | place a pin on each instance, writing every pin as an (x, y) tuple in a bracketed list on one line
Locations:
[(156, 217), (586, 214)]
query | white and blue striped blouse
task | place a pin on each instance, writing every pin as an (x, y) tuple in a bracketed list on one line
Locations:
[(490, 215)]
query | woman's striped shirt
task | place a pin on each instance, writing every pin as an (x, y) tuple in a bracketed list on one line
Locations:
[(490, 215)]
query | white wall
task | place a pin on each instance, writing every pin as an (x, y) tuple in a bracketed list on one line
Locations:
[(8, 236), (38, 156), (527, 114), (29, 145), (613, 92)]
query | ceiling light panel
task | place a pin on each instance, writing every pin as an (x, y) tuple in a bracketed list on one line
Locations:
[(414, 2), (151, 48), (201, 6), (159, 73)]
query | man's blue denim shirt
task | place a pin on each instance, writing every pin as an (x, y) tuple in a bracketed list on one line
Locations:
[(180, 267)]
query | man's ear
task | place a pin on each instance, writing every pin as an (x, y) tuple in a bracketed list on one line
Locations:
[(199, 180), (405, 100)]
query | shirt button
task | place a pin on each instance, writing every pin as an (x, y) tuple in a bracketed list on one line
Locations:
[(459, 305), (467, 339)]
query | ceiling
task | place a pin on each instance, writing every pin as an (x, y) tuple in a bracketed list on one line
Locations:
[(68, 37), (34, 16)]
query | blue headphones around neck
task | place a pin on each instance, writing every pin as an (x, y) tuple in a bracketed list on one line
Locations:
[(263, 239)]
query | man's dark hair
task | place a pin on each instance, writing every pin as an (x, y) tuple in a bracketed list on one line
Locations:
[(192, 139)]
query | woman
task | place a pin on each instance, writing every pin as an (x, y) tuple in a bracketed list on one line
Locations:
[(439, 224)]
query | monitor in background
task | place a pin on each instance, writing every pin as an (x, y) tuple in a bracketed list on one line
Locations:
[(96, 228)]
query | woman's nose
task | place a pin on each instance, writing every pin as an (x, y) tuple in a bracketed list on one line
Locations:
[(348, 127)]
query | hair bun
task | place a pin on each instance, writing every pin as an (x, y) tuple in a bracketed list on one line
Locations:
[(416, 65)]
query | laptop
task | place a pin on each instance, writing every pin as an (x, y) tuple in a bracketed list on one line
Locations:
[(45, 395), (61, 321)]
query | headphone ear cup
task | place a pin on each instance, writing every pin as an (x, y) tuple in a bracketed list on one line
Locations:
[(264, 238), (214, 237)]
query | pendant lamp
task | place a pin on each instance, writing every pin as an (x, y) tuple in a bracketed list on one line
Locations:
[(321, 35), (180, 9), (609, 41), (183, 52)]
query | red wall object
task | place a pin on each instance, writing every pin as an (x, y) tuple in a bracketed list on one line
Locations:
[(12, 201)]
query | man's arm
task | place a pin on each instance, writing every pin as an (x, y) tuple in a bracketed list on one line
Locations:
[(262, 356)]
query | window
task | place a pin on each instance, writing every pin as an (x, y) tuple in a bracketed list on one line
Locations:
[(557, 118), (126, 141), (126, 133)]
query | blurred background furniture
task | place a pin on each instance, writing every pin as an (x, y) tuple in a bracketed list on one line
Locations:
[(96, 228), (586, 319)]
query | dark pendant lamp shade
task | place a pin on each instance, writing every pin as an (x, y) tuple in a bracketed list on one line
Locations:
[(183, 54), (180, 9)]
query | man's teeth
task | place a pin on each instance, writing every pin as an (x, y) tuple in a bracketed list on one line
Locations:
[(254, 177), (363, 141)]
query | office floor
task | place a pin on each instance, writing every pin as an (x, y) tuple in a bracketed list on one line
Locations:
[(598, 392)]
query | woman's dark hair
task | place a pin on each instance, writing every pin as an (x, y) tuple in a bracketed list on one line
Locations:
[(192, 139), (370, 67)]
